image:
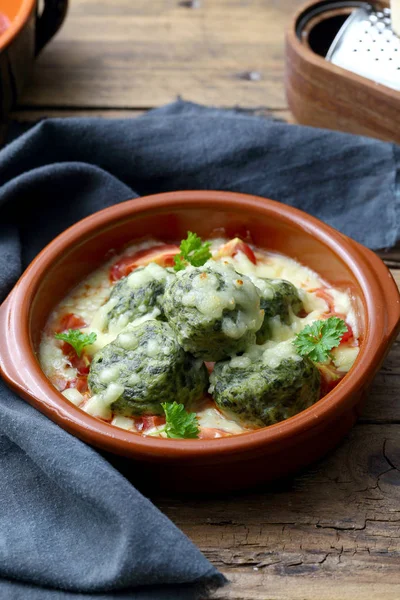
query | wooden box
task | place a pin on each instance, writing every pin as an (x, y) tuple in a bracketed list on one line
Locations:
[(324, 95)]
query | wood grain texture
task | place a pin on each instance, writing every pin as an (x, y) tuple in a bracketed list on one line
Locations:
[(337, 523), (332, 533), (140, 54), (29, 115)]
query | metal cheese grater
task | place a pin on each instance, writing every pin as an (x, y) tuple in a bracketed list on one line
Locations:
[(366, 45)]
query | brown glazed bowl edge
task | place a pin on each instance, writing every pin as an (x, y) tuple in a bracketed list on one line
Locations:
[(25, 11)]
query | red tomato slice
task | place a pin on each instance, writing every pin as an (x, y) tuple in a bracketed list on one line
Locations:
[(234, 246), (162, 255), (330, 377), (60, 383), (148, 422), (81, 364), (209, 433), (322, 293), (80, 384), (347, 335), (70, 321)]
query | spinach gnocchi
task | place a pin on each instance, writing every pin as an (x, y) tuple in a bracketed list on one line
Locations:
[(137, 294), (143, 367), (214, 311), (197, 341), (265, 385)]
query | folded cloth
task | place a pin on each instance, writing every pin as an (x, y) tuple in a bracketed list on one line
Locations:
[(70, 523)]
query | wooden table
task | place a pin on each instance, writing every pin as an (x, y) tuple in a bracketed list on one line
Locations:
[(333, 532)]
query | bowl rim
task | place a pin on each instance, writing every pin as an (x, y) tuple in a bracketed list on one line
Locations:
[(107, 436), (25, 11)]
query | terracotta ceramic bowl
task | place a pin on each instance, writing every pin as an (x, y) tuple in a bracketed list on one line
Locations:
[(23, 33), (225, 463)]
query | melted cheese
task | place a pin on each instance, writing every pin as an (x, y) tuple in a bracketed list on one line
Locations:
[(272, 266), (73, 395), (99, 404), (127, 340), (123, 422), (90, 301), (96, 407), (238, 293), (213, 419), (109, 374), (344, 357), (140, 278), (53, 361), (112, 393), (275, 353), (343, 306)]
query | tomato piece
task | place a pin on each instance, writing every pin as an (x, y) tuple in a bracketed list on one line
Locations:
[(233, 247), (347, 335), (60, 383), (148, 422), (79, 383), (210, 433), (70, 321), (162, 255), (330, 377), (81, 364), (210, 367), (322, 293)]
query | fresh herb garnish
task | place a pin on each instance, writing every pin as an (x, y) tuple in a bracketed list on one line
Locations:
[(180, 424), (317, 340), (77, 339), (193, 252)]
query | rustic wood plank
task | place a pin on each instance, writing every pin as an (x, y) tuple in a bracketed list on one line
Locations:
[(391, 257), (142, 54), (396, 271), (331, 533), (382, 405), (37, 114), (244, 586)]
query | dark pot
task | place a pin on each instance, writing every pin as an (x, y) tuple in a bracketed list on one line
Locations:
[(24, 37)]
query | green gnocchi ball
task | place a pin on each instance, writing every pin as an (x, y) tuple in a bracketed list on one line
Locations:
[(150, 367), (214, 311), (278, 298), (265, 385), (138, 294)]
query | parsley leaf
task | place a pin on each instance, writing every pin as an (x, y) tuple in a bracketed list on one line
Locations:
[(180, 424), (77, 339), (193, 252), (317, 340), (180, 263)]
